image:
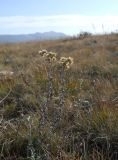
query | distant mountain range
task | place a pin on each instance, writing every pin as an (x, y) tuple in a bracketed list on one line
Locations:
[(31, 37)]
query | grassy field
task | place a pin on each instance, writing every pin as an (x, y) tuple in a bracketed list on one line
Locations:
[(51, 109)]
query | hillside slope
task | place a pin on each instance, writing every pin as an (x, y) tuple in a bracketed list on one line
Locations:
[(31, 37), (54, 112)]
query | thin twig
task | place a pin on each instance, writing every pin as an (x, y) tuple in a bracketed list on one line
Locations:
[(5, 97)]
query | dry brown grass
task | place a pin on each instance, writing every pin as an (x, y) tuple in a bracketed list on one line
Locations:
[(89, 125)]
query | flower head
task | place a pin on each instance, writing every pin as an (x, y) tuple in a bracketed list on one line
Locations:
[(51, 56), (70, 60), (42, 53), (66, 62), (63, 60)]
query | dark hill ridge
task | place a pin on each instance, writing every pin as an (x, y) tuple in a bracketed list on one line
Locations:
[(31, 37)]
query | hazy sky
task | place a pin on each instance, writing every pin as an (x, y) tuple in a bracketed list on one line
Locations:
[(68, 16)]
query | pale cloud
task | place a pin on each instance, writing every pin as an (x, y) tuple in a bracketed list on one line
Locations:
[(69, 24)]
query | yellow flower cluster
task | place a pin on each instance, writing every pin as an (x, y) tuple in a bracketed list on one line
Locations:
[(49, 56), (66, 62), (43, 53)]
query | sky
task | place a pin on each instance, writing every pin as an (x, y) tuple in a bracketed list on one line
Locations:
[(67, 16)]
